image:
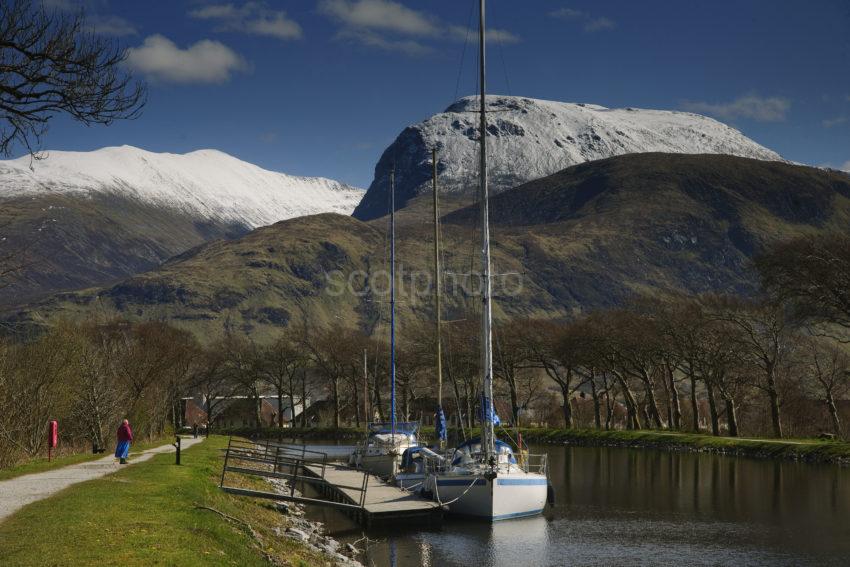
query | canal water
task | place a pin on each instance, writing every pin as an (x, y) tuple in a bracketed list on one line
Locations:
[(643, 507)]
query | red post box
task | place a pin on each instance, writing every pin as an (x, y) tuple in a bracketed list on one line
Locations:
[(52, 437)]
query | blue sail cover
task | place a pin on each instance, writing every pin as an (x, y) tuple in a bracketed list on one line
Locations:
[(487, 412), (440, 424)]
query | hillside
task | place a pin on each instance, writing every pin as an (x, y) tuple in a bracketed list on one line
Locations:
[(77, 219), (529, 139), (592, 235)]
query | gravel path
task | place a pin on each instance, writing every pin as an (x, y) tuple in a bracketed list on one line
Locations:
[(17, 492)]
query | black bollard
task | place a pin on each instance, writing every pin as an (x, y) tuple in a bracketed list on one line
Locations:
[(177, 446)]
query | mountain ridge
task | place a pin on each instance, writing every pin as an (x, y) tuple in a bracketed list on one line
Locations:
[(209, 183), (532, 138), (594, 235)]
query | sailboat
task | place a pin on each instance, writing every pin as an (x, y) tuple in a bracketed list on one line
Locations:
[(385, 443), (484, 478)]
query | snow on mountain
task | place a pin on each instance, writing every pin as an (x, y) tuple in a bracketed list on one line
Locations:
[(206, 183), (529, 139)]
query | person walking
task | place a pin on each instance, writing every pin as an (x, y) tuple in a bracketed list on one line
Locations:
[(125, 437)]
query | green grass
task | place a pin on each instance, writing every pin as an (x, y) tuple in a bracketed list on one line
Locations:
[(41, 464), (146, 514), (810, 450)]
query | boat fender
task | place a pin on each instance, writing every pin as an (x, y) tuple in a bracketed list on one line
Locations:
[(550, 494)]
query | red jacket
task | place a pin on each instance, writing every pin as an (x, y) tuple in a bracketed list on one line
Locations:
[(125, 433)]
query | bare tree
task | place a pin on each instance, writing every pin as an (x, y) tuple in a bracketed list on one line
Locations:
[(333, 357), (98, 400), (560, 352), (828, 368), (213, 382), (462, 367), (282, 364), (244, 367), (813, 275), (511, 359), (683, 332), (764, 340), (717, 360), (50, 64), (144, 359), (33, 386)]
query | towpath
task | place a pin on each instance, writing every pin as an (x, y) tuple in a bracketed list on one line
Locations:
[(17, 492)]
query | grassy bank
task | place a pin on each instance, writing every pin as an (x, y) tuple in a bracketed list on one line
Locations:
[(150, 514), (805, 450)]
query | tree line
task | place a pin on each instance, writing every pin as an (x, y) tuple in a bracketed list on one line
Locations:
[(767, 365)]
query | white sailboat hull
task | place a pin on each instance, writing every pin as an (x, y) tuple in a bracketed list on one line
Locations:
[(509, 495)]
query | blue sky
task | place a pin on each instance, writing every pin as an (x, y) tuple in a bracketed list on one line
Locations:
[(321, 87)]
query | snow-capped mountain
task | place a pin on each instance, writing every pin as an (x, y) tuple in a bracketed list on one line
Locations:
[(80, 219), (529, 139), (207, 184)]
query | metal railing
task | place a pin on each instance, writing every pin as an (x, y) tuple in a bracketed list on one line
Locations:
[(525, 462), (538, 464), (272, 460)]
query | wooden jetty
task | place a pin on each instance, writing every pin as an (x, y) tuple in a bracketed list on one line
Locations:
[(365, 497), (381, 501)]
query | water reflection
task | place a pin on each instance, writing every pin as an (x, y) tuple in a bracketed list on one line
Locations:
[(701, 486), (630, 507), (519, 542)]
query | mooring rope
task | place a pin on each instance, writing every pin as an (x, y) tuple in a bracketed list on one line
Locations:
[(437, 492)]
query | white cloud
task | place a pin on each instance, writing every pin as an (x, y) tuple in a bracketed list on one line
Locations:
[(388, 25), (599, 24), (115, 26), (501, 36), (830, 122), (846, 166), (206, 61), (278, 26), (460, 33), (591, 23), (567, 14), (253, 18), (215, 11), (760, 109), (380, 15)]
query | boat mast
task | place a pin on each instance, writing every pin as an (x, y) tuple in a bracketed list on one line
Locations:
[(488, 441), (365, 388), (392, 301), (437, 289)]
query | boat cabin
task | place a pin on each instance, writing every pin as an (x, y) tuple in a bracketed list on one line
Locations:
[(470, 450)]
